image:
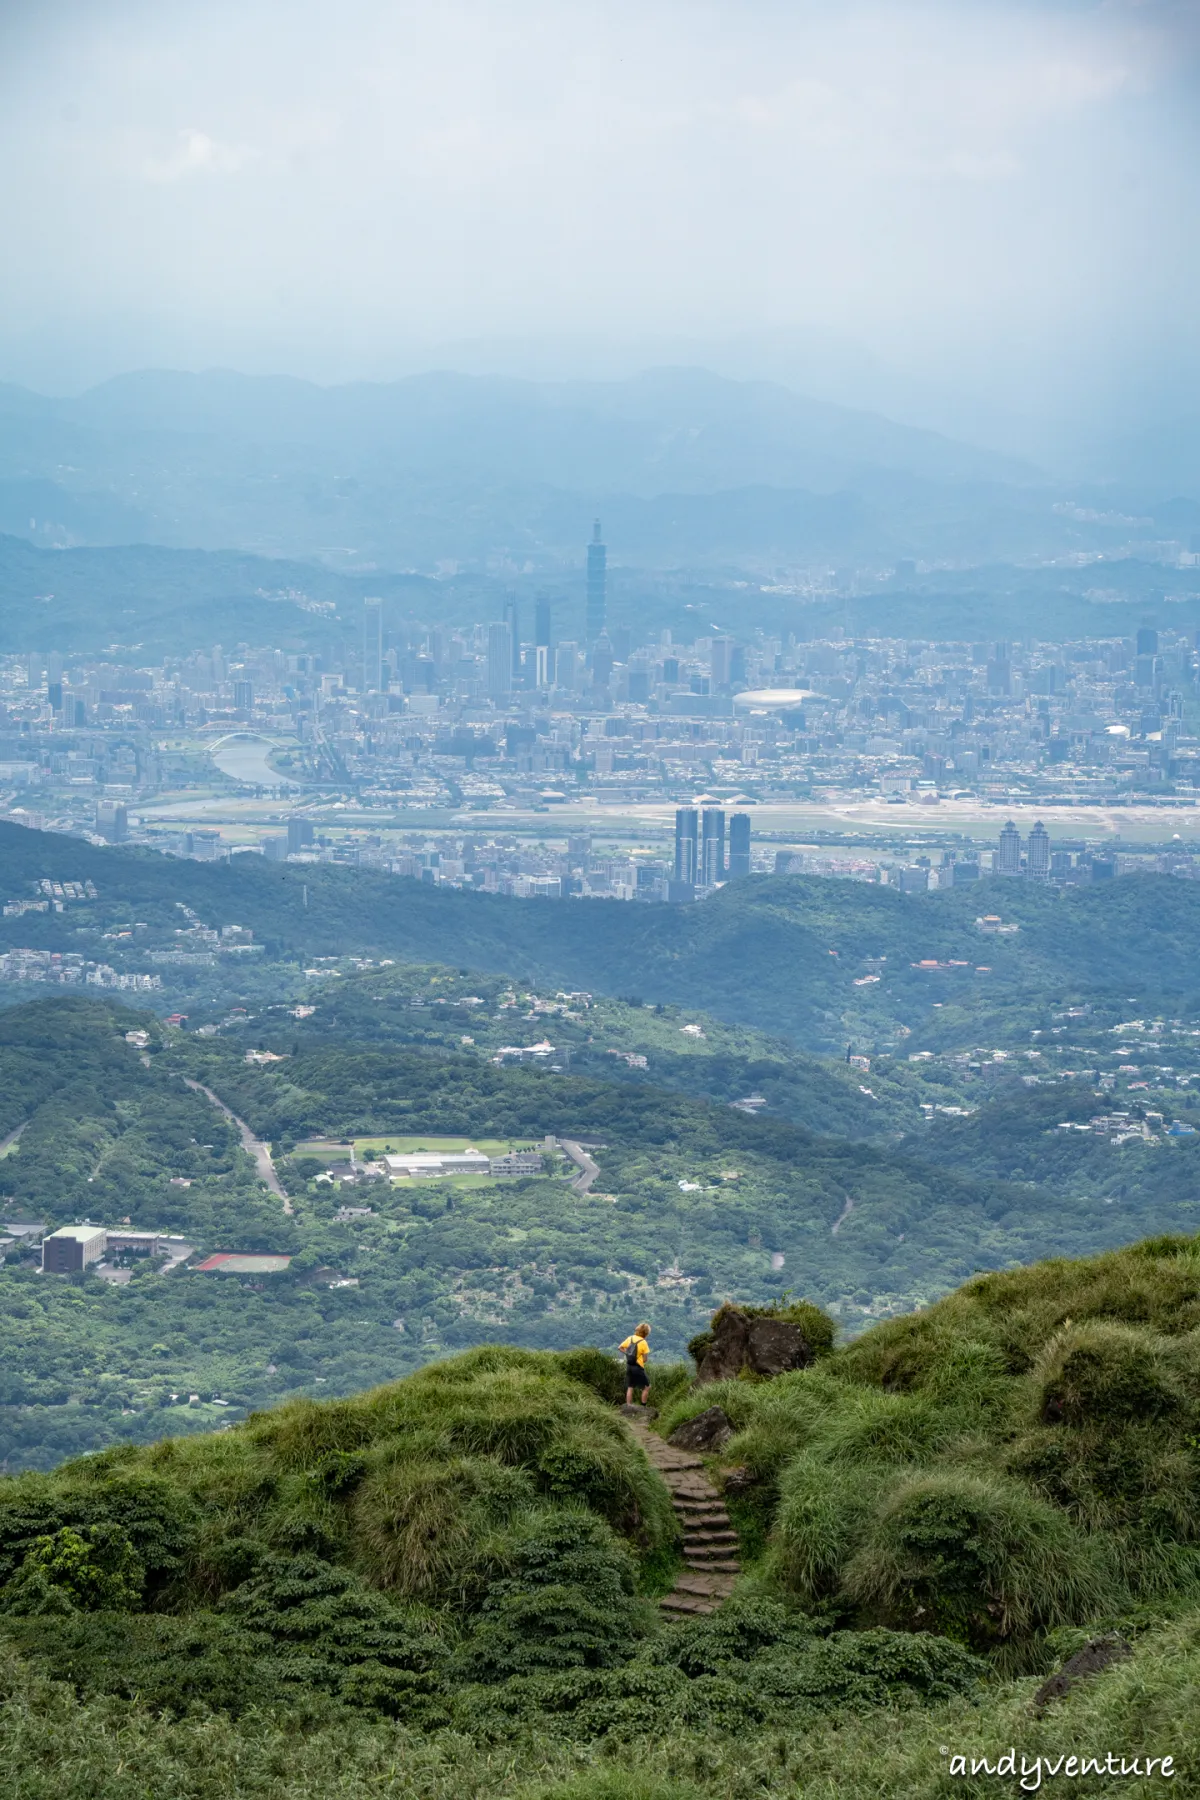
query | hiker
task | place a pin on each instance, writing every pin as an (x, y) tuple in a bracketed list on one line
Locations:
[(637, 1349)]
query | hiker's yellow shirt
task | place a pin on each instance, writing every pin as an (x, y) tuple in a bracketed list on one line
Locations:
[(643, 1348)]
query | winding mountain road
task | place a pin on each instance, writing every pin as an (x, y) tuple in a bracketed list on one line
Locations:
[(250, 1144)]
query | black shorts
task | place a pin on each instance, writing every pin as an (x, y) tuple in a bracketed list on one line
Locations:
[(636, 1376)]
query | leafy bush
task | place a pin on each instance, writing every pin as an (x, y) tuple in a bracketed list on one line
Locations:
[(76, 1571), (567, 1604)]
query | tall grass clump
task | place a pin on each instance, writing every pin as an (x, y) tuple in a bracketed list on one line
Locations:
[(978, 1558)]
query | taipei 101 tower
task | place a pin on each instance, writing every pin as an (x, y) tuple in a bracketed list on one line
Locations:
[(597, 585)]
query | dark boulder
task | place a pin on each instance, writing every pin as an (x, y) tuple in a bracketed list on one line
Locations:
[(709, 1430), (776, 1346), (740, 1341), (1100, 1654)]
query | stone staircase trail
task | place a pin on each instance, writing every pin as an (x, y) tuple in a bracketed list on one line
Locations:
[(710, 1545)]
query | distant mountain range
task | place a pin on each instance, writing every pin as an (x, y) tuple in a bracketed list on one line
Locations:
[(690, 471)]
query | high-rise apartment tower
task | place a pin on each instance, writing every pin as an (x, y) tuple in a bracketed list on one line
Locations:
[(1008, 856), (739, 845), (687, 824), (712, 846)]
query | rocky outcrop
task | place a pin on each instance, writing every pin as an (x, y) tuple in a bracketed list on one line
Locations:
[(1093, 1659), (740, 1341), (708, 1431)]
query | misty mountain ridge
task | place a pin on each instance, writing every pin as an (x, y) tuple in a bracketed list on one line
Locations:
[(666, 429), (690, 470)]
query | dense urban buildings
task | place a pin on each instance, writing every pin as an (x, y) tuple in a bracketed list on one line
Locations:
[(446, 751)]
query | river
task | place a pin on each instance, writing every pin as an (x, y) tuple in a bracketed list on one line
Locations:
[(245, 757)]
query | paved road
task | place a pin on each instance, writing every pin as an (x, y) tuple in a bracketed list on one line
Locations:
[(250, 1144), (7, 1143), (588, 1169)]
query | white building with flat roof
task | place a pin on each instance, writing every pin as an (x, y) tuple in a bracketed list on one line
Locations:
[(438, 1162)]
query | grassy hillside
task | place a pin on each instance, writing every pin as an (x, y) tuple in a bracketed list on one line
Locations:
[(443, 1586), (1016, 1458)]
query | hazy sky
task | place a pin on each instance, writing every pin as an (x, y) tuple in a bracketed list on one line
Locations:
[(331, 189)]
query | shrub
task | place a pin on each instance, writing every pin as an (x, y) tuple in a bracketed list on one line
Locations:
[(421, 1526), (873, 1427), (568, 1603), (978, 1558), (821, 1512), (593, 1369), (156, 1515), (77, 1571)]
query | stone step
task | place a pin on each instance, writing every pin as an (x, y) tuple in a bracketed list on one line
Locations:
[(679, 1606), (704, 1585), (711, 1565), (706, 1536)]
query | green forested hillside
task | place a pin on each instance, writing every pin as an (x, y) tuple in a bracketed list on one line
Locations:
[(694, 1202), (685, 1048), (445, 1586), (787, 954)]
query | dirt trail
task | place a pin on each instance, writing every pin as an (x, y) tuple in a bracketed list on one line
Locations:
[(710, 1546), (250, 1144)]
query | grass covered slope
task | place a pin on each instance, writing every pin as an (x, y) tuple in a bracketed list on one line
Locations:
[(468, 1548), (443, 1587), (1019, 1459)]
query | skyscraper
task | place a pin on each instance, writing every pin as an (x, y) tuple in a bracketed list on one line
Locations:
[(499, 663), (687, 824), (1147, 641), (1037, 866), (722, 662), (1008, 857), (372, 646), (543, 642), (739, 845), (712, 846), (512, 618), (597, 585), (602, 662)]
